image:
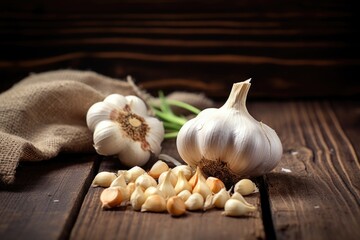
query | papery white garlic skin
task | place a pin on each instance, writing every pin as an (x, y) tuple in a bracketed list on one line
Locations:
[(228, 142), (132, 174), (122, 127)]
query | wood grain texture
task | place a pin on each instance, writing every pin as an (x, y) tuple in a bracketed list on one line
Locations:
[(284, 45), (124, 223), (320, 197), (44, 200)]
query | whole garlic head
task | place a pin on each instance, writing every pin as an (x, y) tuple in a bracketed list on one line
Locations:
[(122, 127), (227, 142)]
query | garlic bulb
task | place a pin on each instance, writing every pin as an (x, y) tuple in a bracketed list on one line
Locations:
[(228, 143), (122, 127)]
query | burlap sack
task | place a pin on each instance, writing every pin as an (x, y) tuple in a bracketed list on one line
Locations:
[(45, 114)]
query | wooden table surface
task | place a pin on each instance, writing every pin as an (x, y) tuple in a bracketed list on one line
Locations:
[(303, 57), (318, 199)]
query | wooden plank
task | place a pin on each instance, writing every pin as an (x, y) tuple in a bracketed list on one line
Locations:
[(124, 223), (320, 197), (176, 47), (44, 200)]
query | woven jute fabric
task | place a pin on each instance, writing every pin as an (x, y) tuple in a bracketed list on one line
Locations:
[(45, 114)]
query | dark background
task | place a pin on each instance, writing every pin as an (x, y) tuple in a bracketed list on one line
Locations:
[(291, 49)]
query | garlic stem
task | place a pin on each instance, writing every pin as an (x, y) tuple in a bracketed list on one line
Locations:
[(238, 95)]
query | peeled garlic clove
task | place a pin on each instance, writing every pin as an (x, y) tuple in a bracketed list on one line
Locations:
[(158, 168), (182, 183), (137, 198), (235, 208), (173, 178), (194, 179), (103, 179), (194, 202), (209, 202), (185, 194), (186, 169), (154, 203), (215, 184), (151, 191), (240, 198), (124, 193), (131, 187), (220, 198), (145, 181), (110, 198), (227, 142), (133, 173), (119, 182), (245, 187), (201, 187), (166, 187), (176, 206)]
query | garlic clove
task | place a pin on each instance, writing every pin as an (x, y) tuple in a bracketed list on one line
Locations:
[(194, 202), (110, 198), (185, 194), (240, 198), (134, 154), (145, 181), (182, 183), (158, 168), (119, 182), (107, 138), (187, 171), (115, 101), (235, 208), (154, 203), (131, 187), (201, 187), (97, 113), (209, 202), (166, 187), (245, 187), (136, 104), (176, 206), (155, 135), (124, 193), (173, 178), (152, 191), (194, 179), (220, 198), (133, 173), (137, 198), (103, 179), (215, 184)]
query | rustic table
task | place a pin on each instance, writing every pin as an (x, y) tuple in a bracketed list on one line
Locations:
[(312, 194)]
